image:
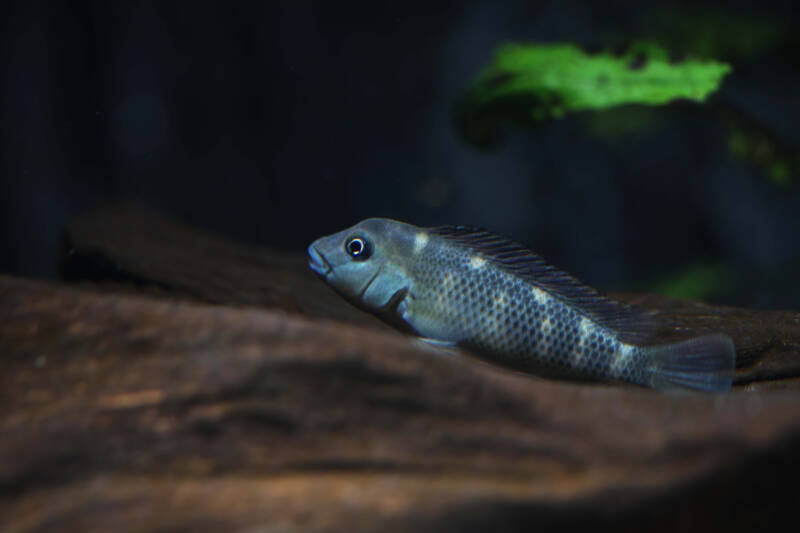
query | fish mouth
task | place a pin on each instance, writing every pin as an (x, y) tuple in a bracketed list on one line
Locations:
[(317, 262)]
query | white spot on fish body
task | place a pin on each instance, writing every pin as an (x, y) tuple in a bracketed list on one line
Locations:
[(541, 344), (584, 329), (623, 354), (500, 300), (448, 279), (420, 241), (540, 296), (447, 284), (477, 262)]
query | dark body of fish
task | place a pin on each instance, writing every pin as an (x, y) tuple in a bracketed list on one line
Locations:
[(469, 287)]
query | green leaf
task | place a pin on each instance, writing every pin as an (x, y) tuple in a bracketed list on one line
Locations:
[(755, 144), (530, 83), (719, 32), (697, 282)]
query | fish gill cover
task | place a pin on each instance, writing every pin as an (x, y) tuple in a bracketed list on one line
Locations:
[(531, 83)]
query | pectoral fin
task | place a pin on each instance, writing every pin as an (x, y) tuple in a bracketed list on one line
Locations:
[(437, 347), (436, 342)]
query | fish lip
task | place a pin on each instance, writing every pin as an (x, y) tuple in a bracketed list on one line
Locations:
[(317, 262)]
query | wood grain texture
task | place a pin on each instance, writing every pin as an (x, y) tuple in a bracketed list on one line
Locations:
[(127, 248), (213, 402)]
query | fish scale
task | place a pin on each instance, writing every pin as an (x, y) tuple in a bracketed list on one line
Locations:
[(501, 315), (481, 291)]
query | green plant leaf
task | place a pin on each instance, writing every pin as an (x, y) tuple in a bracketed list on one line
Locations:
[(530, 83), (719, 32), (755, 144), (697, 282)]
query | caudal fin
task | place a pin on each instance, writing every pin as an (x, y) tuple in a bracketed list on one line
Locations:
[(704, 363)]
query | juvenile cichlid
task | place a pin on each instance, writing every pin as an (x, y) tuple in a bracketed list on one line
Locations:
[(457, 285)]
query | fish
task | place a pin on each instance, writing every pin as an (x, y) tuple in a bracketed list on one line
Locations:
[(477, 290)]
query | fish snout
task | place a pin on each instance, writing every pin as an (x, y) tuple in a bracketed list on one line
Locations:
[(317, 262)]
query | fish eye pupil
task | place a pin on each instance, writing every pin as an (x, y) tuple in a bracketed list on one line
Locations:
[(357, 248)]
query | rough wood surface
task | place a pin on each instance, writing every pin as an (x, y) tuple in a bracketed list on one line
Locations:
[(127, 248), (153, 254), (259, 402)]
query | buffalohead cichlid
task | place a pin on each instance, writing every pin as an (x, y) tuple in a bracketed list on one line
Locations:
[(472, 288)]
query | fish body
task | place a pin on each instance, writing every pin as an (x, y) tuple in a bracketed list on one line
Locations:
[(468, 287)]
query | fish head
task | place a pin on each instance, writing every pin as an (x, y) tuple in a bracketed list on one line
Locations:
[(366, 263)]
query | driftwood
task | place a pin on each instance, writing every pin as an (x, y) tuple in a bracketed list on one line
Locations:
[(188, 383)]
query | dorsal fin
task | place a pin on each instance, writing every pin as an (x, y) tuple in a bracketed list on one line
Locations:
[(631, 324)]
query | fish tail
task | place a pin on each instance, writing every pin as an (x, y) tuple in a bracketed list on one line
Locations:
[(703, 363)]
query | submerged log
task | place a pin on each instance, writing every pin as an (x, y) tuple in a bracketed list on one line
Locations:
[(236, 393), (125, 247)]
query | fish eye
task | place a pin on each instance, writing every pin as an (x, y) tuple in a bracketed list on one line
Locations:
[(357, 247)]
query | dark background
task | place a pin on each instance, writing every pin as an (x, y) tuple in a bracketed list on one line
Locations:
[(277, 122)]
